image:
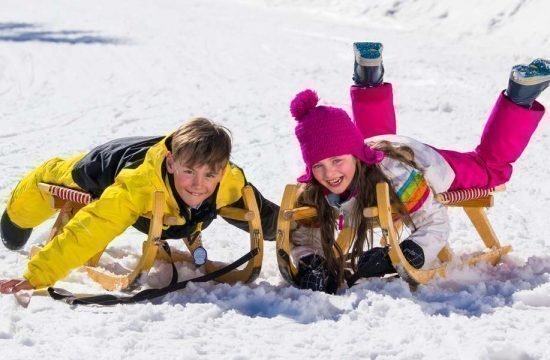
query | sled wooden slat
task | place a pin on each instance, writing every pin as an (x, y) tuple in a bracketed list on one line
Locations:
[(484, 202), (300, 213), (166, 220), (236, 214), (370, 212)]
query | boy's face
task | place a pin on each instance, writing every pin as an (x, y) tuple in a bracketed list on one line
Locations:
[(194, 184), (335, 173)]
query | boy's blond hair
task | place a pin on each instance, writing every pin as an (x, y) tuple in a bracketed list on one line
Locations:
[(200, 141)]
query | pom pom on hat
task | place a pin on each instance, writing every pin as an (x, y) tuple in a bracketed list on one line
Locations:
[(302, 103)]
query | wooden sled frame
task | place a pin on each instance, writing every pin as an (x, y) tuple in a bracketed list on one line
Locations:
[(473, 201), (288, 213), (70, 201)]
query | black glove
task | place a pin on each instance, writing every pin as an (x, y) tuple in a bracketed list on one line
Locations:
[(413, 253), (313, 275), (376, 262)]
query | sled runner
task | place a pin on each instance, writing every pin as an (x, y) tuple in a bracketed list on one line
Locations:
[(70, 201), (473, 201)]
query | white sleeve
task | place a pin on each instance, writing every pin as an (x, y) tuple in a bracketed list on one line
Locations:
[(432, 230), (437, 171), (305, 241), (428, 215)]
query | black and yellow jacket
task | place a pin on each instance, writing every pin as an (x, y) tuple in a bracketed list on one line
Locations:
[(123, 175)]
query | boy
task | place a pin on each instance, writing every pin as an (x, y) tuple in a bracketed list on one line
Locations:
[(191, 166)]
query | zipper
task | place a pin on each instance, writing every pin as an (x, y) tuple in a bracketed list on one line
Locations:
[(340, 218)]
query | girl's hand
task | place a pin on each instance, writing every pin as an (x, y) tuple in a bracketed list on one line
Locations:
[(14, 285)]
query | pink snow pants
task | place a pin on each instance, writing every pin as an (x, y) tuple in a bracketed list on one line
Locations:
[(505, 136)]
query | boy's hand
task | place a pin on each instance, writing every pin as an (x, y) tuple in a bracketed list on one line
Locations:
[(14, 285)]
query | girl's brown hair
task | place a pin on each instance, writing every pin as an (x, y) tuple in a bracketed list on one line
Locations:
[(365, 180)]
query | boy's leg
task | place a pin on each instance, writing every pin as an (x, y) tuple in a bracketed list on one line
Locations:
[(27, 206), (372, 99)]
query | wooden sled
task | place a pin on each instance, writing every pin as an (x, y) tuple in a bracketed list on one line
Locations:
[(288, 214), (70, 201), (473, 201)]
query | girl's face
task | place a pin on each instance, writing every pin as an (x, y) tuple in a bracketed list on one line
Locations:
[(194, 184), (335, 173)]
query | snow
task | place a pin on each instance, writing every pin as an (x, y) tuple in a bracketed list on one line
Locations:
[(76, 74)]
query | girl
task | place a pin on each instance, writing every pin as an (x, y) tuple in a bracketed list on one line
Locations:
[(342, 170)]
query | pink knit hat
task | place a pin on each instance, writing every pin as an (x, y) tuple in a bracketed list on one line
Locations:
[(325, 131)]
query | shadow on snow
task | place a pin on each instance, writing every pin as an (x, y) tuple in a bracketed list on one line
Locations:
[(24, 32), (471, 293)]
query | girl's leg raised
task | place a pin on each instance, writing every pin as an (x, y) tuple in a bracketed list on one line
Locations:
[(372, 99)]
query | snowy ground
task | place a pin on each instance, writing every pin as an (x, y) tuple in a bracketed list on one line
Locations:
[(75, 74)]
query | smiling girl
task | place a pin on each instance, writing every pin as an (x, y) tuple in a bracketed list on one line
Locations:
[(342, 170)]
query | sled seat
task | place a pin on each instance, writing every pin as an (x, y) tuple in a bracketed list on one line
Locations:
[(473, 201), (70, 201)]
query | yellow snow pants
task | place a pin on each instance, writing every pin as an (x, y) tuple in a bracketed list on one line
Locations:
[(27, 206)]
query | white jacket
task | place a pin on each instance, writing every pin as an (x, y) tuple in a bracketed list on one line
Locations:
[(416, 189)]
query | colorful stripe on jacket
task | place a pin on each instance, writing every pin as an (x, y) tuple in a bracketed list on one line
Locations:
[(414, 192)]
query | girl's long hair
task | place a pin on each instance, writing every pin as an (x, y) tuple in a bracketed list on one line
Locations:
[(365, 180)]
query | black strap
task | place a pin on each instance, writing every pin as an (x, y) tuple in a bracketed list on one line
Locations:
[(107, 299)]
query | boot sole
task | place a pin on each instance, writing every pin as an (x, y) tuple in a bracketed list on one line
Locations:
[(537, 72), (368, 54), (532, 80)]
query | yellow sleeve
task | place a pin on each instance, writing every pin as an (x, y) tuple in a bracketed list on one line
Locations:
[(88, 233)]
